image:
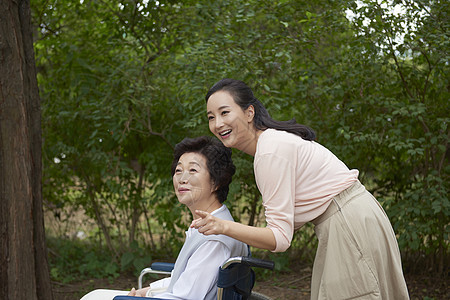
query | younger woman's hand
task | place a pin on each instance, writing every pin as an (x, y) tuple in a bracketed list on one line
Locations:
[(208, 224)]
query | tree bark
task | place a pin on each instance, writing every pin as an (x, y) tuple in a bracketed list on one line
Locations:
[(23, 256)]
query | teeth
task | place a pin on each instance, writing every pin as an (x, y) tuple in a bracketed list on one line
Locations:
[(225, 132)]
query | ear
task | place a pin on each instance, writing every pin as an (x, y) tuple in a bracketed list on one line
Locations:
[(214, 188), (250, 113)]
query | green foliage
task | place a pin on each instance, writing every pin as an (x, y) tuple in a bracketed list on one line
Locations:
[(135, 258), (73, 259), (282, 261), (122, 82)]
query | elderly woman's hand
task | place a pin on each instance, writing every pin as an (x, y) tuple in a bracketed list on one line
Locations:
[(138, 293), (208, 224)]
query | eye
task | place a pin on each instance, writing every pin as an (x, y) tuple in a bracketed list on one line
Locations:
[(192, 170), (225, 112), (177, 171), (210, 118)]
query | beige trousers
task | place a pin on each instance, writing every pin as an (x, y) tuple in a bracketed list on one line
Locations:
[(358, 255)]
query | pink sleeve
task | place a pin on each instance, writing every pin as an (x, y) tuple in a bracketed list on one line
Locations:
[(275, 177)]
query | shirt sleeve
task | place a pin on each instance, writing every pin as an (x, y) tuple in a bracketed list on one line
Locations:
[(158, 285), (201, 273), (275, 177)]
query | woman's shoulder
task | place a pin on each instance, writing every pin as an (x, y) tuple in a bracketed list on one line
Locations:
[(271, 136), (223, 213), (277, 141)]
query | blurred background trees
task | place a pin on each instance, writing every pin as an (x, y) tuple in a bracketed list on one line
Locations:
[(122, 82)]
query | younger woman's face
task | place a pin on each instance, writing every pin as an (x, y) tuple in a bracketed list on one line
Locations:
[(192, 182), (228, 121)]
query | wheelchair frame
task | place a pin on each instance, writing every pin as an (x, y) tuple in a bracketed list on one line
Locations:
[(240, 262)]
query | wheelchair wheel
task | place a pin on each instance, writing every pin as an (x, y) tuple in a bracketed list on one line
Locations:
[(258, 296)]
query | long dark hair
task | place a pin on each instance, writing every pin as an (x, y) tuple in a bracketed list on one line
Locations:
[(218, 160), (243, 96)]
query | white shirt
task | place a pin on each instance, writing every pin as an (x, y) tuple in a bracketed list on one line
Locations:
[(201, 272)]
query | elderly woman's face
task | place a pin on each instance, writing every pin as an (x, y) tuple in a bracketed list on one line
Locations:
[(191, 181)]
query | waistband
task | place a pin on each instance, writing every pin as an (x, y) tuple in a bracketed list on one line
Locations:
[(340, 200)]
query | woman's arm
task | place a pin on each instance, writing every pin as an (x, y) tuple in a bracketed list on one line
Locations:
[(258, 237)]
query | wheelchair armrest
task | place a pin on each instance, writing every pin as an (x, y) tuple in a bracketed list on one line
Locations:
[(156, 268), (162, 267), (249, 261), (259, 263)]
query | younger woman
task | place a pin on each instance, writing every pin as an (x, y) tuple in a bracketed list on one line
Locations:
[(301, 181)]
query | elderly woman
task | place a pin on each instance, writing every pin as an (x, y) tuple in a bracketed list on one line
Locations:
[(202, 170)]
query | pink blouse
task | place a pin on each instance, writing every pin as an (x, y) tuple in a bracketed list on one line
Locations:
[(297, 180)]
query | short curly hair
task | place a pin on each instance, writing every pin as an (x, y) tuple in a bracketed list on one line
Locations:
[(218, 160)]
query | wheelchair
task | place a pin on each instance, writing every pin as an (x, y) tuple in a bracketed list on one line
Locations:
[(235, 282)]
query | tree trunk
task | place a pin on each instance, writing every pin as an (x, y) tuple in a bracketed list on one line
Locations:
[(253, 208), (23, 255), (99, 217), (137, 204)]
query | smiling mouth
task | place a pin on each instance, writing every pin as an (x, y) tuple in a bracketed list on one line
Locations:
[(225, 133), (181, 190)]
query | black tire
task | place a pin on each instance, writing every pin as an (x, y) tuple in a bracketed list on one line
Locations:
[(258, 296)]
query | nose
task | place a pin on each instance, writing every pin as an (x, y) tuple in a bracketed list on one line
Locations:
[(184, 177), (219, 122)]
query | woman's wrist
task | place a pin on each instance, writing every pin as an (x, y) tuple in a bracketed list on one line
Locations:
[(226, 228)]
